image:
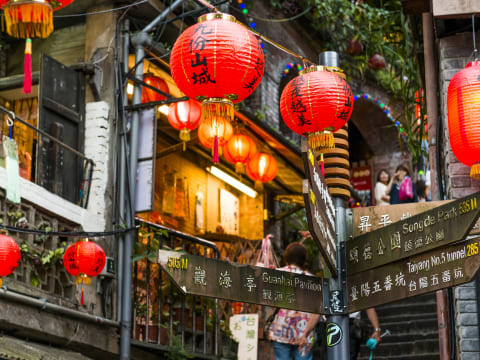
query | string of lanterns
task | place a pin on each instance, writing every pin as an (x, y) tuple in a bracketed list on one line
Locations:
[(83, 259)]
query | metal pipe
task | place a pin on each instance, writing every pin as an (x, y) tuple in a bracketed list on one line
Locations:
[(160, 17), (42, 304), (123, 150), (339, 321), (431, 99), (442, 321), (140, 40)]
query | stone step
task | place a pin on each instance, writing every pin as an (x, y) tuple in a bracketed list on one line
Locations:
[(409, 337), (395, 351), (432, 356), (418, 326), (393, 318), (402, 309)]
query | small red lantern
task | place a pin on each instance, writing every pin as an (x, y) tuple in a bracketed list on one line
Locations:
[(317, 103), (9, 255), (463, 103), (376, 62), (354, 47), (239, 150), (151, 95), (215, 133), (262, 168), (27, 19), (185, 116), (84, 259), (219, 62)]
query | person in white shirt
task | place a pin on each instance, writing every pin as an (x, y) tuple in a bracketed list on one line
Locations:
[(382, 188)]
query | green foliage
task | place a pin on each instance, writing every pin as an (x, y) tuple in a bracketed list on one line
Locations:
[(382, 28)]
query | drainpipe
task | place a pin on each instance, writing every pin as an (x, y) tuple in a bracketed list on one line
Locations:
[(432, 115), (123, 159), (139, 40)]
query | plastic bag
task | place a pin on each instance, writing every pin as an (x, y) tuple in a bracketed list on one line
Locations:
[(266, 257), (405, 192)]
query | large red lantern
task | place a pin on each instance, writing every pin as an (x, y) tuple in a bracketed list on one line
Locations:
[(185, 116), (84, 259), (219, 62), (214, 134), (239, 150), (26, 19), (316, 103), (262, 168), (156, 82), (9, 256), (463, 103)]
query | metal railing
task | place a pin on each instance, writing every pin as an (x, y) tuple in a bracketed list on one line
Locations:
[(88, 164), (163, 316)]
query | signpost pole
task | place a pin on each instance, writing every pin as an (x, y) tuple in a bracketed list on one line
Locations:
[(338, 335)]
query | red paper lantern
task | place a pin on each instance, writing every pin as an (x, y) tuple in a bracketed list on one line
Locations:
[(262, 168), (215, 133), (376, 62), (9, 256), (354, 47), (239, 150), (27, 19), (151, 95), (463, 103), (185, 116), (317, 103), (84, 259), (219, 62)]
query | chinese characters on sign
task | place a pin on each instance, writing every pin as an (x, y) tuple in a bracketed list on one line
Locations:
[(320, 209), (416, 234), (203, 276), (244, 328), (430, 271)]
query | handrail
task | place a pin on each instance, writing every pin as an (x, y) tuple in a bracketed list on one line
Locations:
[(15, 117), (180, 234)]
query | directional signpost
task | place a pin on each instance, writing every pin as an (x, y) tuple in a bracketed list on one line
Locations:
[(435, 228), (203, 276), (366, 219), (416, 275), (320, 209)]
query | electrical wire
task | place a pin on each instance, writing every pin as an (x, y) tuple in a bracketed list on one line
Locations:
[(101, 11), (277, 20), (87, 234)]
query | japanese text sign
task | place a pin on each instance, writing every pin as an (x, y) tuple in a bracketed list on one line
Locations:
[(430, 271), (244, 328), (422, 232), (203, 276)]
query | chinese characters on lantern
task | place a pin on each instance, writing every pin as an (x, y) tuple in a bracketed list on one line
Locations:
[(197, 45)]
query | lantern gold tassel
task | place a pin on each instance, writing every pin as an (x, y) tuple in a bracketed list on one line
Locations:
[(240, 168), (217, 107), (27, 19), (475, 171), (185, 135), (322, 141), (258, 185)]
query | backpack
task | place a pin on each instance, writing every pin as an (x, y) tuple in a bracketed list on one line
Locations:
[(405, 192)]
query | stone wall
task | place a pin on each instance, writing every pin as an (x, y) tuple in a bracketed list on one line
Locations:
[(454, 53)]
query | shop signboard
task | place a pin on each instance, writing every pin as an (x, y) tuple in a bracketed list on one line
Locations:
[(202, 276), (431, 229), (430, 271), (320, 209)]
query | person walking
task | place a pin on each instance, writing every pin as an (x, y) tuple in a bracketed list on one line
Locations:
[(288, 326)]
